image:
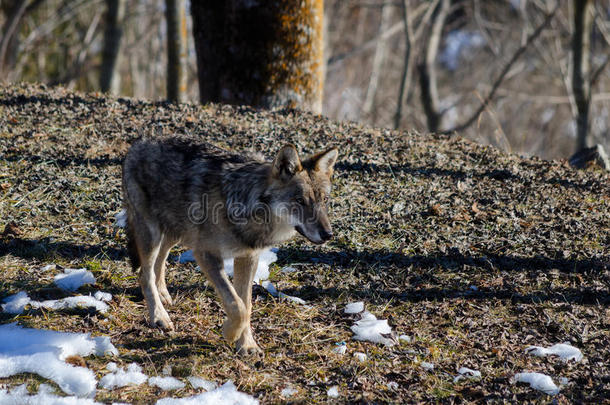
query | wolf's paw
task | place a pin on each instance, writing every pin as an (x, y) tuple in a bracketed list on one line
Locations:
[(162, 321), (232, 330), (165, 297), (246, 345)]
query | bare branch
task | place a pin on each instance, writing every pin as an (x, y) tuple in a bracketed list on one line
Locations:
[(531, 38)]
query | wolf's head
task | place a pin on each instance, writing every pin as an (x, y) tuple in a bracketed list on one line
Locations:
[(299, 191)]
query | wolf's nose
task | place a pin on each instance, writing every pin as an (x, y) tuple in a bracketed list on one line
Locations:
[(326, 235)]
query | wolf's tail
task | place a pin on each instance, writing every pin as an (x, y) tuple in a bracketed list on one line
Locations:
[(132, 247)]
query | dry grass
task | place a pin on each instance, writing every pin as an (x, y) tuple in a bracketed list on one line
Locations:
[(418, 219)]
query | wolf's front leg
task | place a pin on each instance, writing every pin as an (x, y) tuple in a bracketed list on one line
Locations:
[(212, 267), (245, 268)]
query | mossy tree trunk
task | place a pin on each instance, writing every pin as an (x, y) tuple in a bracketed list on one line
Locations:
[(264, 54), (175, 14)]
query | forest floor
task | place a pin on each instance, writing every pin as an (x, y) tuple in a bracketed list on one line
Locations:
[(474, 253)]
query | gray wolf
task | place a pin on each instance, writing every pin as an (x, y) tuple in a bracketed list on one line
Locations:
[(221, 205)]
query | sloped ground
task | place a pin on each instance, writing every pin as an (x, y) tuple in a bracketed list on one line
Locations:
[(474, 253)]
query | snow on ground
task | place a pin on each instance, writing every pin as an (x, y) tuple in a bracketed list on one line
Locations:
[(262, 272), (370, 328), (361, 357), (102, 296), (227, 394), (565, 351), (166, 383), (465, 372), (119, 377), (268, 285), (354, 307), (120, 219), (73, 279), (198, 382), (15, 304), (19, 396), (42, 352), (541, 382), (288, 392), (333, 392), (340, 348), (426, 366)]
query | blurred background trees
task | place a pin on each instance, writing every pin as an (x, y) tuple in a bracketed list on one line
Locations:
[(538, 75)]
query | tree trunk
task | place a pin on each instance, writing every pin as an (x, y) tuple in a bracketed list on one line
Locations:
[(407, 67), (581, 54), (110, 80), (264, 54), (427, 69), (175, 14), (378, 59), (9, 30)]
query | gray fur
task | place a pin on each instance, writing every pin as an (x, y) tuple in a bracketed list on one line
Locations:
[(220, 204)]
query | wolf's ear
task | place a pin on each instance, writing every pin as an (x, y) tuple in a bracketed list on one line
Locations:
[(325, 161), (286, 163)]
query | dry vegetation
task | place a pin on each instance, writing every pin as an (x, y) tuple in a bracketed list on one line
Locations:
[(418, 220)]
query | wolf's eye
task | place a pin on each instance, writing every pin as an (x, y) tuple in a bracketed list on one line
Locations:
[(299, 200)]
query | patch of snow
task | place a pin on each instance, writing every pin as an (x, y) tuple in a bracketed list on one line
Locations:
[(288, 269), (538, 381), (426, 366), (48, 267), (19, 396), (333, 391), (122, 378), (268, 285), (262, 271), (15, 304), (120, 219), (392, 385), (565, 351), (102, 296), (42, 352), (198, 382), (341, 348), (371, 329), (465, 372), (227, 394), (166, 383), (360, 356), (405, 338), (73, 279), (288, 392), (354, 307)]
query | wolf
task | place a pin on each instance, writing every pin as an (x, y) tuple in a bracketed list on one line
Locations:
[(220, 204)]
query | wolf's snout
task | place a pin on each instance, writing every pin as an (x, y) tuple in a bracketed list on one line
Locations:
[(326, 235)]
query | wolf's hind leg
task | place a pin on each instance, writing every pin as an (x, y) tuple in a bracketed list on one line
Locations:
[(245, 268), (164, 248), (212, 267), (148, 241)]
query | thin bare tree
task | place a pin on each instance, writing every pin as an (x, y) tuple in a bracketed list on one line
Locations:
[(427, 69), (175, 15), (378, 59), (16, 11), (110, 80), (581, 55), (407, 67), (265, 54)]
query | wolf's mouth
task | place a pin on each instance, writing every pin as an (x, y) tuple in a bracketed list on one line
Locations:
[(300, 230)]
